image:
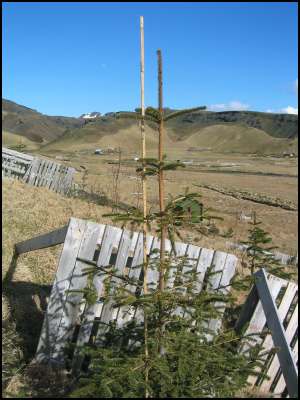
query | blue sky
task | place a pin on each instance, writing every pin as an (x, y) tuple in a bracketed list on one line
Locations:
[(71, 58)]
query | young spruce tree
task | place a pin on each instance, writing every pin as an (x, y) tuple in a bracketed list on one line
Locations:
[(259, 252), (184, 358)]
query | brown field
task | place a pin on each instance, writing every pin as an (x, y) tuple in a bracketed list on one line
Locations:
[(30, 211), (207, 168)]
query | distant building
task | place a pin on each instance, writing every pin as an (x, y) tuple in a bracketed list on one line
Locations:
[(91, 115), (99, 151)]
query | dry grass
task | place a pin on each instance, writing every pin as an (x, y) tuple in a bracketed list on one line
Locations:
[(282, 224), (13, 139), (30, 211)]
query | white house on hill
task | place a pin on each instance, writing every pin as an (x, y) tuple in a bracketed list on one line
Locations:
[(91, 115)]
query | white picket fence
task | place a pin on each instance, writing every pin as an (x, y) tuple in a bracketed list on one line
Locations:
[(36, 171), (285, 259)]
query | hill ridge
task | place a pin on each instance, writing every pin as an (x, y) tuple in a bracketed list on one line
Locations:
[(238, 131)]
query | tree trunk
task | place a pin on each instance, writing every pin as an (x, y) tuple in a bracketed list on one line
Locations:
[(161, 201), (144, 189)]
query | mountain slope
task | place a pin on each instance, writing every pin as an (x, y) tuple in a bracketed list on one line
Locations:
[(231, 131), (240, 139), (276, 125), (33, 125), (225, 138)]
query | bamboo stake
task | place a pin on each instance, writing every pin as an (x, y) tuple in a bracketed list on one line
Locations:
[(160, 176), (144, 190)]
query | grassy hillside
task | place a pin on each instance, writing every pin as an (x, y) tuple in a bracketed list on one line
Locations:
[(229, 138), (231, 131), (121, 133), (12, 139), (276, 125), (240, 139), (33, 125)]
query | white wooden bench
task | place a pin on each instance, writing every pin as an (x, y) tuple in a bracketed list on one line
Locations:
[(88, 242)]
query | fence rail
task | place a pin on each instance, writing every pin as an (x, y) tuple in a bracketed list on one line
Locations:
[(36, 171), (273, 304)]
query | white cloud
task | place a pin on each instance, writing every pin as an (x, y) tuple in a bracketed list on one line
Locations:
[(289, 110), (231, 106), (286, 110)]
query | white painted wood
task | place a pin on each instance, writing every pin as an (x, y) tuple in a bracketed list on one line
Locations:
[(274, 366), (44, 173), (16, 153), (55, 309), (89, 312), (153, 248), (78, 281), (282, 312), (107, 310), (280, 386), (179, 251), (152, 270), (127, 312), (101, 234), (51, 175), (227, 275), (69, 179), (279, 336), (134, 239), (61, 179), (82, 240), (258, 319), (27, 173), (204, 262), (39, 173), (15, 170), (110, 240), (34, 170), (192, 256), (12, 159), (215, 272), (55, 177)]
